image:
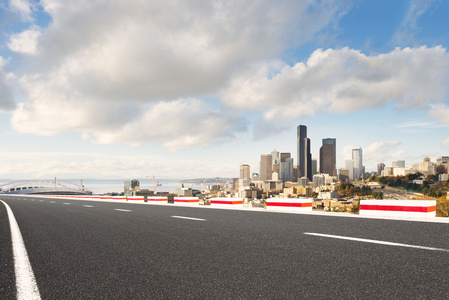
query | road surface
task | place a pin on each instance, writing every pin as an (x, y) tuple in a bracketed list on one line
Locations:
[(94, 250)]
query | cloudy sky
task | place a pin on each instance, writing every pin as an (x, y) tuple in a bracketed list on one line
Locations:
[(185, 89)]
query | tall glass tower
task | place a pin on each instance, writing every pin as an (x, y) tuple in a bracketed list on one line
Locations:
[(328, 157), (358, 162), (304, 156)]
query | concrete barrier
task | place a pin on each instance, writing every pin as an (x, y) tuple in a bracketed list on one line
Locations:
[(135, 198), (404, 208), (156, 199), (226, 201), (296, 204), (190, 200)]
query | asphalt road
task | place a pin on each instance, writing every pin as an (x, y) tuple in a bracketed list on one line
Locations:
[(94, 250)]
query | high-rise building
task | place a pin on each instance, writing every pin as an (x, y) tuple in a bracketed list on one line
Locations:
[(343, 174), (304, 156), (328, 157), (244, 172), (398, 164), (266, 167), (380, 168), (314, 166), (358, 162), (286, 167), (350, 167), (275, 157)]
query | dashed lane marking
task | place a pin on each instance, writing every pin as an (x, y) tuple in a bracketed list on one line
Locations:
[(26, 286), (375, 242), (188, 218), (127, 210), (87, 205)]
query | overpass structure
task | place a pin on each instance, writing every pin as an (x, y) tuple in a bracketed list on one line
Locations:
[(43, 187)]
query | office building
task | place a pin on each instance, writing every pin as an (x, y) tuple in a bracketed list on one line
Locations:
[(266, 167), (380, 168), (398, 164), (343, 174), (350, 167), (358, 162), (328, 157), (244, 172), (286, 167), (314, 166), (304, 156)]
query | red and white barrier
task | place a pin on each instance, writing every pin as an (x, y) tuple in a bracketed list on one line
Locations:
[(157, 199), (396, 208), (226, 201), (189, 200), (135, 198), (289, 204)]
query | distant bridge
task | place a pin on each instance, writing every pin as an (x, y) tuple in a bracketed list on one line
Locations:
[(43, 187)]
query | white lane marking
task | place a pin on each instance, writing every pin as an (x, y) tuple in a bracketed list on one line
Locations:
[(41, 200), (67, 203), (376, 242), (123, 209), (87, 205), (25, 282), (31, 199), (188, 218), (52, 202)]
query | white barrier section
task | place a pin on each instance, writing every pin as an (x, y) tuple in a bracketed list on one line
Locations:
[(189, 200), (289, 204), (396, 208), (226, 201)]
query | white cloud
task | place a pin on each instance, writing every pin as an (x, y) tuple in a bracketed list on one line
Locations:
[(177, 124), (409, 27), (445, 143), (25, 42), (440, 112), (6, 90), (24, 8), (98, 68), (46, 165), (345, 80)]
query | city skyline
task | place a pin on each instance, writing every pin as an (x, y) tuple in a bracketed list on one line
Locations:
[(191, 90)]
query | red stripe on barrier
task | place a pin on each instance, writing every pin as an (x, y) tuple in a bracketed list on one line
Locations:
[(398, 208), (225, 202), (192, 200), (283, 204)]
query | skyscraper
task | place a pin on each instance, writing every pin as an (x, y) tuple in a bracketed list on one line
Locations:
[(266, 167), (244, 172), (286, 167), (304, 156), (380, 168), (358, 162), (328, 157)]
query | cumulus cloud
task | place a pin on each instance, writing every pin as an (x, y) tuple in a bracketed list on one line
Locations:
[(177, 124), (344, 80), (25, 42), (6, 91), (445, 143), (23, 8), (93, 63)]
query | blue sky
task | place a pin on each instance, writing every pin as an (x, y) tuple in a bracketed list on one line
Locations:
[(185, 89)]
